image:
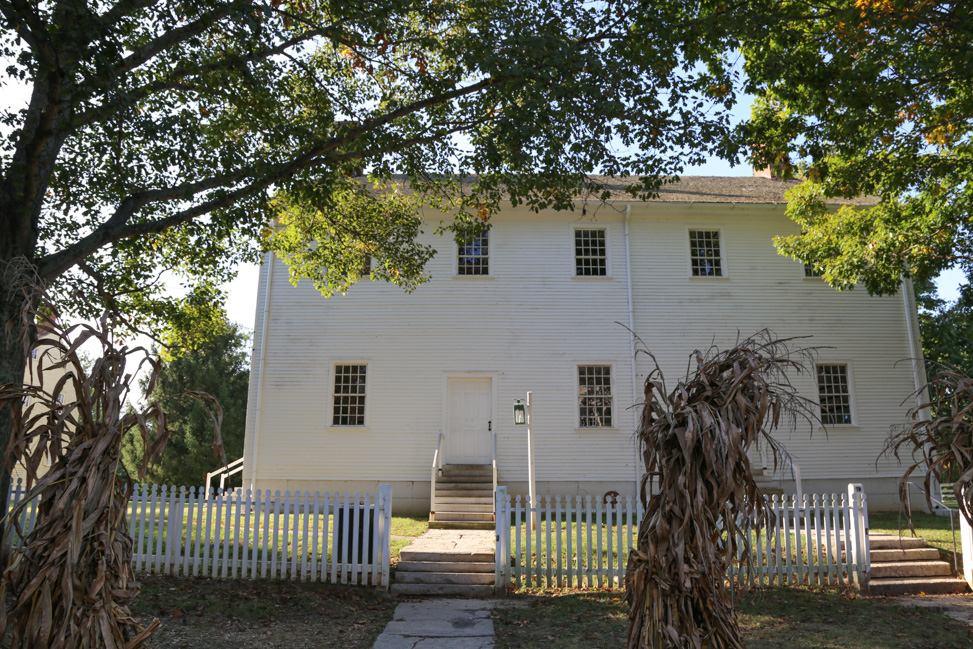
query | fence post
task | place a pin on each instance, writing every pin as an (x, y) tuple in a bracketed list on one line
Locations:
[(859, 531), (385, 495), (501, 553)]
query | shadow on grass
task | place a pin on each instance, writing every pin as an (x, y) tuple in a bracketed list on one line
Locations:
[(781, 618)]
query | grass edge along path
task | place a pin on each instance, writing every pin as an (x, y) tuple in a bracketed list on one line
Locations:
[(772, 618)]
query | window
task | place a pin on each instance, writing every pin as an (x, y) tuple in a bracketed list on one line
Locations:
[(811, 271), (349, 395), (33, 354), (595, 396), (834, 394), (474, 257), (704, 253), (590, 253), (366, 267)]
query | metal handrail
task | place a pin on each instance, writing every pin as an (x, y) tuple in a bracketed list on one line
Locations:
[(494, 474), (234, 467), (437, 465), (952, 527)]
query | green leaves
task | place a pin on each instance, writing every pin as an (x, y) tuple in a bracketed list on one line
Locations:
[(867, 98)]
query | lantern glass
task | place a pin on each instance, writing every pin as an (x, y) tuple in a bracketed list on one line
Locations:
[(520, 412)]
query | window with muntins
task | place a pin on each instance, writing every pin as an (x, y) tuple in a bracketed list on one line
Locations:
[(349, 395), (811, 271), (474, 257), (595, 396), (704, 253), (834, 394), (590, 253)]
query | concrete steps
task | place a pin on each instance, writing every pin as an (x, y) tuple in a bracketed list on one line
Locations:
[(464, 498), (447, 563), (907, 566)]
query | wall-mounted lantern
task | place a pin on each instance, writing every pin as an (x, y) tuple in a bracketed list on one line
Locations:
[(520, 412)]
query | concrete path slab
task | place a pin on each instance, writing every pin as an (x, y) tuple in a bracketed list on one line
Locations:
[(439, 624), (460, 542), (958, 607)]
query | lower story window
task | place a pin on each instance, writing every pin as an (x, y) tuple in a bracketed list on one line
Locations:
[(349, 395), (595, 396), (834, 394)]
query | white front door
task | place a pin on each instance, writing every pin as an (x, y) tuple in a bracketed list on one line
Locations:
[(469, 409)]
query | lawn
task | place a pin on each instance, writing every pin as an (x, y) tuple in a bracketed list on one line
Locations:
[(215, 614), (770, 619)]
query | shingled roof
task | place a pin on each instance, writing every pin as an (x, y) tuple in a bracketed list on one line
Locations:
[(699, 189)]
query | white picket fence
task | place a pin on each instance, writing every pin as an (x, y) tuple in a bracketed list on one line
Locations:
[(584, 542), (339, 538)]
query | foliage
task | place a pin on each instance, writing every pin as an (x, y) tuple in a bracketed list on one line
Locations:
[(218, 367), (694, 440), (940, 444), (166, 135), (946, 328), (874, 97), (70, 578)]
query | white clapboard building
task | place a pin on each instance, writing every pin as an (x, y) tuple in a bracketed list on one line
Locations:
[(362, 388)]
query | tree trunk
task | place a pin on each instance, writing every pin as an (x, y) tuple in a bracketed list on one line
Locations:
[(13, 361)]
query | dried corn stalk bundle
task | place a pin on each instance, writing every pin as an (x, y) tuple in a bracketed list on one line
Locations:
[(68, 581), (694, 442), (941, 445)]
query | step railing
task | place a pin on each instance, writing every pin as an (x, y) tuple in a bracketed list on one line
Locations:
[(494, 474), (908, 487), (234, 467), (437, 467)]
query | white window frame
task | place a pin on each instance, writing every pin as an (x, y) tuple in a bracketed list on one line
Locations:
[(574, 252), (488, 257), (849, 376), (577, 395), (724, 269), (805, 268), (334, 375)]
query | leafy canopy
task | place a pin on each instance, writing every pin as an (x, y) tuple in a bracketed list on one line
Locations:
[(166, 135), (874, 97)]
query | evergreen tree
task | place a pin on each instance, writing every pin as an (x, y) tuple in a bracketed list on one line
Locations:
[(218, 366)]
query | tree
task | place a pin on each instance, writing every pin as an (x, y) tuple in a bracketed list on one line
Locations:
[(874, 97), (947, 329), (218, 367), (165, 135)]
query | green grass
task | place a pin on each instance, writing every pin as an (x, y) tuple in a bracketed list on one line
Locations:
[(411, 526), (793, 618)]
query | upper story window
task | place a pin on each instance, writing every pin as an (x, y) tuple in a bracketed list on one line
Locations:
[(812, 271), (704, 253), (349, 395), (474, 257), (590, 253), (595, 396), (834, 394), (366, 267)]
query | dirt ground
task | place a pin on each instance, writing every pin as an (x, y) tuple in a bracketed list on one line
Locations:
[(214, 614)]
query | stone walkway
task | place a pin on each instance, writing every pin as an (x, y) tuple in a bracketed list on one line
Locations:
[(958, 607), (439, 624)]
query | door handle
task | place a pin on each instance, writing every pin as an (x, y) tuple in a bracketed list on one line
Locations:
[(490, 426)]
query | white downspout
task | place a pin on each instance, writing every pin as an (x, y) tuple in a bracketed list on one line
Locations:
[(260, 371), (915, 342), (631, 338)]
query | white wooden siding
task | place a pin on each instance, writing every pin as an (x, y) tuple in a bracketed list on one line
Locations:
[(531, 322)]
